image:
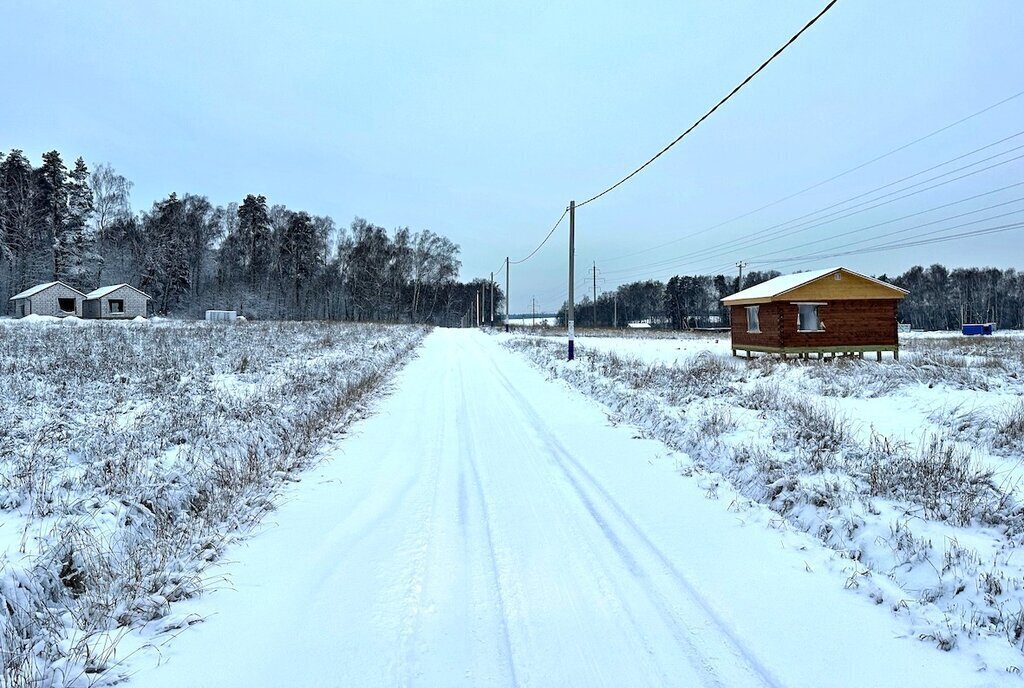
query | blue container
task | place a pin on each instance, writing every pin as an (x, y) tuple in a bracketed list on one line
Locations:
[(978, 328)]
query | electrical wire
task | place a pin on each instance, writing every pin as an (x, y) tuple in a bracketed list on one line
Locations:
[(766, 258), (782, 228), (712, 110), (541, 245), (782, 231), (898, 245), (823, 182), (759, 259)]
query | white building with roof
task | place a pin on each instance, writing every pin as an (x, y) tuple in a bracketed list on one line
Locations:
[(51, 299), (116, 302)]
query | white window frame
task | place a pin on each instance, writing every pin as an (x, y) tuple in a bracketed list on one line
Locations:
[(816, 304), (757, 319)]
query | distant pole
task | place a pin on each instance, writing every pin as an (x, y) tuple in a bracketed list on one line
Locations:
[(595, 294), (739, 283), (506, 293), (492, 300), (479, 299), (533, 322), (570, 312), (615, 317)]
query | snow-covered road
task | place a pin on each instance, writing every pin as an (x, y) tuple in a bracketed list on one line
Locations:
[(488, 527)]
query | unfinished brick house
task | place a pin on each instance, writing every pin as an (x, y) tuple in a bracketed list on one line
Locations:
[(52, 298)]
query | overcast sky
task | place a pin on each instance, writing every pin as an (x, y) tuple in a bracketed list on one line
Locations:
[(481, 120)]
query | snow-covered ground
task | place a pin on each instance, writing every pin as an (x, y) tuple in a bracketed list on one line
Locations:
[(909, 470), (656, 513), (133, 453), (488, 528)]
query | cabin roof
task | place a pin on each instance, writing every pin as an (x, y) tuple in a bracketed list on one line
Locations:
[(779, 286), (39, 288), (104, 291)]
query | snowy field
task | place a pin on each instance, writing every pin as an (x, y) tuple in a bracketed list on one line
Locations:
[(698, 520), (909, 471), (133, 453)]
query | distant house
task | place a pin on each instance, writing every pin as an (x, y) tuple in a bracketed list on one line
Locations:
[(833, 311), (52, 298), (115, 302)]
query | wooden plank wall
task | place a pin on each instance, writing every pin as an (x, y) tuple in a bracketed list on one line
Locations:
[(847, 323), (770, 320)]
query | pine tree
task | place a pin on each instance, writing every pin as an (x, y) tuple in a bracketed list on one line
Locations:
[(74, 239), (16, 216), (166, 272), (51, 215), (301, 256), (5, 249), (257, 238)]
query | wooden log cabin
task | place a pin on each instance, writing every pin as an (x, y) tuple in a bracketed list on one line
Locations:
[(823, 312)]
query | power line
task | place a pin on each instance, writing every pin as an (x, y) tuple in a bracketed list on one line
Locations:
[(998, 229), (833, 217), (712, 110), (823, 182), (759, 259), (782, 231), (541, 245), (743, 242)]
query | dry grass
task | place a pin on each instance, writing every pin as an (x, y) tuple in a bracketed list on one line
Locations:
[(132, 453)]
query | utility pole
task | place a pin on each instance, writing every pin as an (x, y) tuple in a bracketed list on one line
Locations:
[(595, 294), (533, 322), (739, 284), (492, 300), (506, 293), (479, 298), (570, 313), (615, 310)]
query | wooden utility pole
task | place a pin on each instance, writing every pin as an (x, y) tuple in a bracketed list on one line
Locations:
[(492, 300), (570, 313), (615, 311), (506, 293), (533, 322), (739, 284)]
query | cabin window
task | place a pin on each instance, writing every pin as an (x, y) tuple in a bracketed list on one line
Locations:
[(116, 305), (753, 324), (66, 305), (807, 318)]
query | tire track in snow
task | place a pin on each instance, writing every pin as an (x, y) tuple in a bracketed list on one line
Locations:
[(406, 660), (603, 565), (467, 452), (589, 555), (568, 466)]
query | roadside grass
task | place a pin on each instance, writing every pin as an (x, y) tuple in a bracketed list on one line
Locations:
[(132, 454)]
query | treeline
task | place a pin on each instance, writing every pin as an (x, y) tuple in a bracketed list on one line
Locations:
[(263, 260), (939, 299), (943, 299), (684, 302)]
